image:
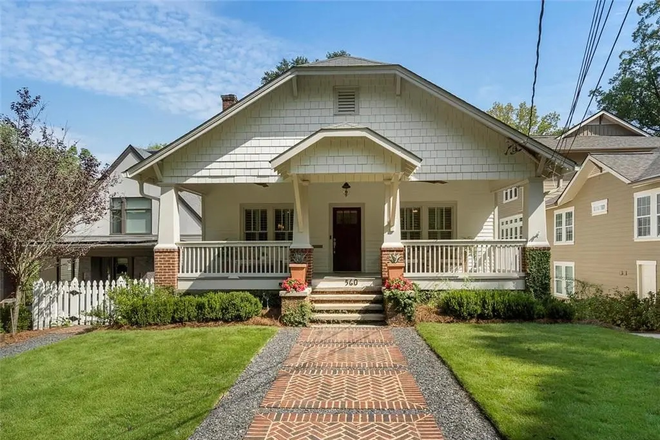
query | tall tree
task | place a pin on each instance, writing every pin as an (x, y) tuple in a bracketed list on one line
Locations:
[(285, 65), (155, 146), (634, 93), (48, 189), (518, 118)]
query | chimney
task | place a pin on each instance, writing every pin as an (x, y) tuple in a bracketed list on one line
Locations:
[(228, 101)]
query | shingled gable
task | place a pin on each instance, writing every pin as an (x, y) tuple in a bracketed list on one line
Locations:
[(358, 66)]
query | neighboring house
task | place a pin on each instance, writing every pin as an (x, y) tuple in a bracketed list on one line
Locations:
[(605, 226), (601, 133), (122, 242), (348, 161)]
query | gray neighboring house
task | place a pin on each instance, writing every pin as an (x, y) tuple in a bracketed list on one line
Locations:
[(123, 241)]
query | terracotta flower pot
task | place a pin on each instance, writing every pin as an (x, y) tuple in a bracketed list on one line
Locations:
[(298, 271), (395, 270)]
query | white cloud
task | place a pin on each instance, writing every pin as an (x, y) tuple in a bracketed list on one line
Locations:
[(180, 56)]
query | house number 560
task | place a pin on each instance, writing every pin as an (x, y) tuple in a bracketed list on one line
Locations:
[(353, 282)]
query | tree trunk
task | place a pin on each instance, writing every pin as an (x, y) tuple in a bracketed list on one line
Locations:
[(14, 317)]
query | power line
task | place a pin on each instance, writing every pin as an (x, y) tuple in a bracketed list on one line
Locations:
[(536, 68), (602, 72)]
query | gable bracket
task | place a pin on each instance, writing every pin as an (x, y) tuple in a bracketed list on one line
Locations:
[(159, 174)]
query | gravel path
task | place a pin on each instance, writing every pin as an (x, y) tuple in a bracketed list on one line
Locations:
[(230, 419), (453, 408), (30, 344)]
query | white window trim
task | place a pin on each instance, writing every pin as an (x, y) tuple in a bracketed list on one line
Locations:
[(270, 207), (336, 91), (595, 204), (654, 214), (639, 263), (516, 221), (563, 264), (513, 194), (425, 216), (554, 226)]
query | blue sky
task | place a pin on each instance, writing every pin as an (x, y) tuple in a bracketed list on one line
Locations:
[(119, 72)]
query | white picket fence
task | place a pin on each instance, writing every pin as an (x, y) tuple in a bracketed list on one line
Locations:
[(70, 303)]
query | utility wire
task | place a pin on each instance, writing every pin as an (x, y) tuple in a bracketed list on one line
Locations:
[(536, 68)]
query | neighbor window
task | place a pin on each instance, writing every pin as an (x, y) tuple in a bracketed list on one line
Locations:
[(427, 222), (647, 215), (564, 278), (511, 228), (130, 215), (268, 223), (510, 194), (564, 227), (599, 207), (411, 223)]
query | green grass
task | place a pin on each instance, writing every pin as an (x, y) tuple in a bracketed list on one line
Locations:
[(123, 384), (556, 382)]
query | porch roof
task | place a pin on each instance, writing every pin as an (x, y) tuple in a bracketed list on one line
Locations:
[(409, 160)]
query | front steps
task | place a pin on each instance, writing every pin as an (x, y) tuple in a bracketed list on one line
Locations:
[(347, 300)]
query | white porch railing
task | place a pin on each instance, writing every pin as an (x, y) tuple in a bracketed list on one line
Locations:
[(234, 258), (456, 257)]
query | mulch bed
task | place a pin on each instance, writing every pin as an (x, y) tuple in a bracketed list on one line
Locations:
[(7, 339)]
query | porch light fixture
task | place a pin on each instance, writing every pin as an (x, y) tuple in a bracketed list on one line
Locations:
[(346, 187)]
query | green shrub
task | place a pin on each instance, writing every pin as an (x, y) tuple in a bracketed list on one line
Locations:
[(403, 301), (559, 310), (141, 306), (24, 318), (430, 297), (489, 304), (537, 277), (297, 316), (622, 309)]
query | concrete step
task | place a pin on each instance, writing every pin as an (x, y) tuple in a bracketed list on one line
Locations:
[(360, 307), (348, 317), (343, 298), (351, 282), (347, 290)]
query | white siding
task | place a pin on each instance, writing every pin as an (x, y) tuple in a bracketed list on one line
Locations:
[(453, 145)]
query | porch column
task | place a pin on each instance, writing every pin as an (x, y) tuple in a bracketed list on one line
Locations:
[(536, 253), (392, 225), (166, 252), (301, 241)]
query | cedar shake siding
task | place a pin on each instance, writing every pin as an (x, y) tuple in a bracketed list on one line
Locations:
[(604, 250)]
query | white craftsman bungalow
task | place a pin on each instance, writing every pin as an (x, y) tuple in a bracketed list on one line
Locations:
[(349, 160)]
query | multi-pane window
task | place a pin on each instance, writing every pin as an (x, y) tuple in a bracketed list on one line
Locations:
[(427, 222), (647, 215), (130, 215), (564, 226), (511, 228), (411, 223), (599, 207), (440, 223), (510, 194), (256, 225), (564, 278), (283, 224)]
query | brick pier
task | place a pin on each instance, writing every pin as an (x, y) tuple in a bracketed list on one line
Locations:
[(355, 382)]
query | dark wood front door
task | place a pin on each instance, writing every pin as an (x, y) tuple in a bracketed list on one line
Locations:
[(346, 239)]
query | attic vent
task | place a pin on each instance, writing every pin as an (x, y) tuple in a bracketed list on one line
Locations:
[(346, 101)]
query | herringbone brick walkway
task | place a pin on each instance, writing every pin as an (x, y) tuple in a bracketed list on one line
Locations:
[(346, 383)]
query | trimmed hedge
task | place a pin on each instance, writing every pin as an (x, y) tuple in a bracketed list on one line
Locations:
[(621, 309), (140, 307), (502, 304)]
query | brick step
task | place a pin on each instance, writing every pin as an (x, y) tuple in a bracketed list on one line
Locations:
[(343, 298), (348, 317), (341, 307)]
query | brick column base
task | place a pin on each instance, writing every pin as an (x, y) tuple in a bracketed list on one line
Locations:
[(309, 260), (385, 258), (166, 267)]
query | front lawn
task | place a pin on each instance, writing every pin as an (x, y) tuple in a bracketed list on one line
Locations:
[(145, 384), (557, 382)]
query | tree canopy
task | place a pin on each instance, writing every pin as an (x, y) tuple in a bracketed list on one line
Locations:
[(518, 118), (48, 189), (285, 64), (634, 93)]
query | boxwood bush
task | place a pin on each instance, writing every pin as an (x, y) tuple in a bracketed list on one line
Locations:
[(620, 308), (141, 306), (502, 304)]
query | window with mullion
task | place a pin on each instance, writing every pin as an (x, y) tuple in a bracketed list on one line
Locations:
[(256, 225), (564, 226), (411, 223), (440, 223), (564, 278), (130, 215), (283, 224), (643, 212)]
